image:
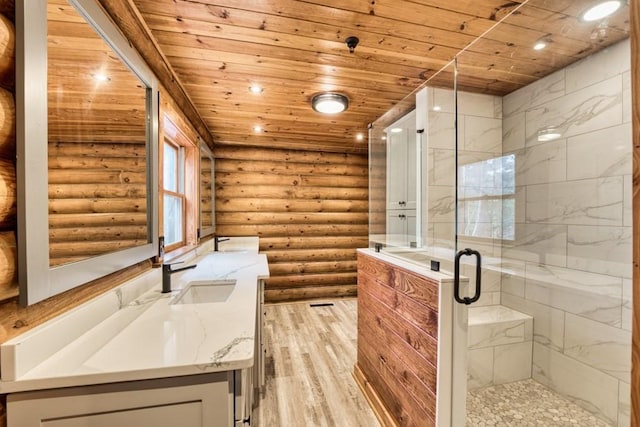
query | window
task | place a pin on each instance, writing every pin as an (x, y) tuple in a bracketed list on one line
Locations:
[(173, 195), (486, 192), (179, 192)]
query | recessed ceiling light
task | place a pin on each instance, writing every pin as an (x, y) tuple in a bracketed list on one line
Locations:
[(256, 89), (384, 137), (101, 77), (329, 103), (396, 130), (257, 129), (539, 45), (600, 10), (549, 134), (359, 137), (437, 108)]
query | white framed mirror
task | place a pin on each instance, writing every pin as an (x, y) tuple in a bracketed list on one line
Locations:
[(87, 132)]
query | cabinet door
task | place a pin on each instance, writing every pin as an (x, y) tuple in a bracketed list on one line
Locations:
[(396, 170), (401, 223), (260, 350), (192, 401), (411, 226), (396, 222), (412, 164), (243, 389)]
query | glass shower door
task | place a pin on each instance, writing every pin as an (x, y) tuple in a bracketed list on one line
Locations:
[(544, 195)]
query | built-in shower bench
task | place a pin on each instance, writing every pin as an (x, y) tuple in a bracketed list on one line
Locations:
[(500, 342)]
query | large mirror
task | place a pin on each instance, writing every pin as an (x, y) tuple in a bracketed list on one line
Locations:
[(87, 141)]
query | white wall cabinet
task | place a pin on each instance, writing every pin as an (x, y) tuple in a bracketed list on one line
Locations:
[(402, 222), (401, 163), (402, 179)]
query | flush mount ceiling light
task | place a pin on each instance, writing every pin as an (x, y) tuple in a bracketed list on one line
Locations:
[(256, 89), (396, 130), (329, 103), (600, 10), (549, 134)]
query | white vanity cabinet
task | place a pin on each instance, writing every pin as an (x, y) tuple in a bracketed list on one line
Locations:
[(402, 178), (150, 362), (249, 382), (190, 401)]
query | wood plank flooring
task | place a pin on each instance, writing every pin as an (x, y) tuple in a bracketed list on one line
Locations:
[(311, 352)]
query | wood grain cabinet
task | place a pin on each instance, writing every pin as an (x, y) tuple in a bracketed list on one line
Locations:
[(397, 342)]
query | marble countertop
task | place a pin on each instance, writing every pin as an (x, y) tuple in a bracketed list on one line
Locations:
[(442, 277), (147, 336)]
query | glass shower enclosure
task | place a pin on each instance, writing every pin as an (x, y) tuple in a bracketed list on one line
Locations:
[(529, 196)]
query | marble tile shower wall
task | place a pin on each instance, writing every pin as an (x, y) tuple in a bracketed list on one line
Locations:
[(479, 139), (569, 265)]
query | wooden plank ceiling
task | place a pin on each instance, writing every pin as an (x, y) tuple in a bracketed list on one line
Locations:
[(295, 49)]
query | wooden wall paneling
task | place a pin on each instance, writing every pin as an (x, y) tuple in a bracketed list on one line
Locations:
[(309, 208), (397, 341), (634, 12), (296, 49), (133, 27)]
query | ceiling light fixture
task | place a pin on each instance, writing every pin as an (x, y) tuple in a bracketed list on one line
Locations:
[(257, 129), (101, 77), (437, 108), (396, 130), (539, 45), (359, 137), (257, 89), (329, 102), (600, 10)]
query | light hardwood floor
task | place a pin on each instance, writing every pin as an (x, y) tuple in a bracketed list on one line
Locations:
[(311, 352)]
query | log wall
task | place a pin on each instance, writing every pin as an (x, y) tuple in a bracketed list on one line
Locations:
[(97, 199), (309, 208), (8, 254)]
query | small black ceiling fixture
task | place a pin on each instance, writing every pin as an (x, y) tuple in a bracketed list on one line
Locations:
[(352, 42)]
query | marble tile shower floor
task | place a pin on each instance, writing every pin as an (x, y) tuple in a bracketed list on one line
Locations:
[(525, 403)]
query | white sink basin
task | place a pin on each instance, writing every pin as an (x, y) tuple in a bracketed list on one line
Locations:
[(205, 291)]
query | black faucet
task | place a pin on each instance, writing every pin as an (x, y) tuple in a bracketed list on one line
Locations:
[(167, 272), (217, 240)]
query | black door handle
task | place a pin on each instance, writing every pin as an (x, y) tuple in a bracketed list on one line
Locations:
[(456, 276)]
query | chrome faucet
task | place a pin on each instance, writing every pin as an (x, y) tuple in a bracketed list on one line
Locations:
[(217, 240), (167, 272)]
